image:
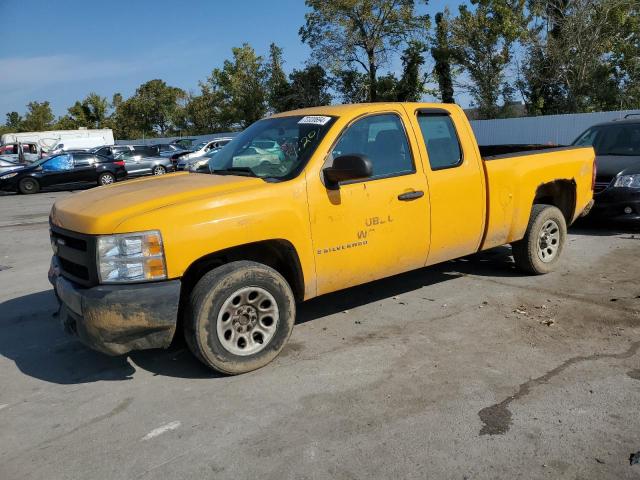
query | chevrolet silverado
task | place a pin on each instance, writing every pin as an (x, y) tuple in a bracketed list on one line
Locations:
[(345, 195)]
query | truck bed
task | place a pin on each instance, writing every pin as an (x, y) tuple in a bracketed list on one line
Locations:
[(508, 149), (509, 205)]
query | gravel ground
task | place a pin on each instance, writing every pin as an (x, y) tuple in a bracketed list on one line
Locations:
[(462, 370)]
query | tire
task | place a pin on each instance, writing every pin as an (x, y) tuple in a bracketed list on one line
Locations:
[(159, 170), (258, 305), (540, 249), (106, 178), (28, 186)]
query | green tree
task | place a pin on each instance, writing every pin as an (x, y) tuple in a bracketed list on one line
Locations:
[(309, 87), (278, 88), (154, 109), (350, 34), (582, 56), (387, 88), (116, 100), (241, 85), (442, 55), (353, 86), (39, 117), (92, 112), (203, 112), (482, 41), (412, 83), (14, 122)]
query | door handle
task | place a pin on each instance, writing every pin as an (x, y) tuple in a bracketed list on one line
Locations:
[(411, 195)]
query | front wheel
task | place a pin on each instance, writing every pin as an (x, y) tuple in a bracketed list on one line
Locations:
[(28, 185), (539, 251), (106, 178), (159, 170), (239, 317)]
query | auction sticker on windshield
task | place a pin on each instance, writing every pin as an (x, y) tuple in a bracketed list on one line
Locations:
[(314, 120)]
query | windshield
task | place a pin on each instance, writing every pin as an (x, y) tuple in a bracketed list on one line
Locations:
[(199, 146), (274, 148), (623, 139)]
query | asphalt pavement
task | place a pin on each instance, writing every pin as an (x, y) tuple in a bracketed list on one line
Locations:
[(464, 370)]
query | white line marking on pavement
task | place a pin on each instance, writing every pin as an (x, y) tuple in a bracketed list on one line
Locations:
[(4, 405), (160, 430)]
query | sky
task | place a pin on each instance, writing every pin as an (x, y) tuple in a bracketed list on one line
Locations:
[(64, 49)]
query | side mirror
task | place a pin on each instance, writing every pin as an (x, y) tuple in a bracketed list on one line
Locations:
[(347, 167)]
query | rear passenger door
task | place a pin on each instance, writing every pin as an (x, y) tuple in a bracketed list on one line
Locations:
[(132, 162), (84, 167), (145, 159), (456, 183), (375, 227)]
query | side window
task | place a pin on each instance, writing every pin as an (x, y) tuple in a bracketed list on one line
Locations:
[(106, 151), (441, 140), (145, 151), (83, 160), (59, 163), (381, 138)]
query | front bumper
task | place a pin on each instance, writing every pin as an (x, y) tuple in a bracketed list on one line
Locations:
[(9, 185), (115, 319), (618, 204)]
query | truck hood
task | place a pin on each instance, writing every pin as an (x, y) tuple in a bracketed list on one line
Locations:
[(100, 210), (608, 166)]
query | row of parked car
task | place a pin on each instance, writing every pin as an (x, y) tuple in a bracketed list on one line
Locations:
[(101, 165), (616, 144)]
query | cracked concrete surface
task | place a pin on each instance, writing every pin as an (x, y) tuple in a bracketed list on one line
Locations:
[(463, 370)]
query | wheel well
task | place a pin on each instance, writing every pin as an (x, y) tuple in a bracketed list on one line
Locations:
[(559, 193), (277, 254)]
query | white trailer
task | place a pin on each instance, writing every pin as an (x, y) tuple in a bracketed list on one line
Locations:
[(48, 140)]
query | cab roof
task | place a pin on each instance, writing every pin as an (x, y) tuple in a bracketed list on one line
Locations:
[(350, 109)]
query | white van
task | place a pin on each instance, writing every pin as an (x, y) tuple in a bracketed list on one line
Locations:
[(75, 144), (47, 140)]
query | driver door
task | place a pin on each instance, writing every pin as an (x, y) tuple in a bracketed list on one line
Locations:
[(375, 227), (57, 171)]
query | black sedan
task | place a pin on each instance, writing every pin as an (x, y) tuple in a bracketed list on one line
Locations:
[(617, 188), (65, 169)]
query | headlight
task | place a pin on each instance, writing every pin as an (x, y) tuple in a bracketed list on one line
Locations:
[(629, 181), (8, 176), (200, 164), (131, 257)]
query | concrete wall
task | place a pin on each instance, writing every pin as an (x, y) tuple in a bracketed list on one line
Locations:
[(552, 129)]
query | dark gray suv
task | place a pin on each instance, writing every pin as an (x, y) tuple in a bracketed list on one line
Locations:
[(617, 188)]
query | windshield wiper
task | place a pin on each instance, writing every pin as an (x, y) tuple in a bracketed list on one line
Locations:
[(241, 171)]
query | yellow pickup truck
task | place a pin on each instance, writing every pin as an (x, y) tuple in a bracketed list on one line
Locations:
[(301, 204)]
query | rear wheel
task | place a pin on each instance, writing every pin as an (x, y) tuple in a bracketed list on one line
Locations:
[(239, 317), (540, 249), (106, 178), (159, 170), (28, 185)]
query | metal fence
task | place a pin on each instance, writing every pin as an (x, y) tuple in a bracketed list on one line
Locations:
[(549, 129), (156, 140)]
